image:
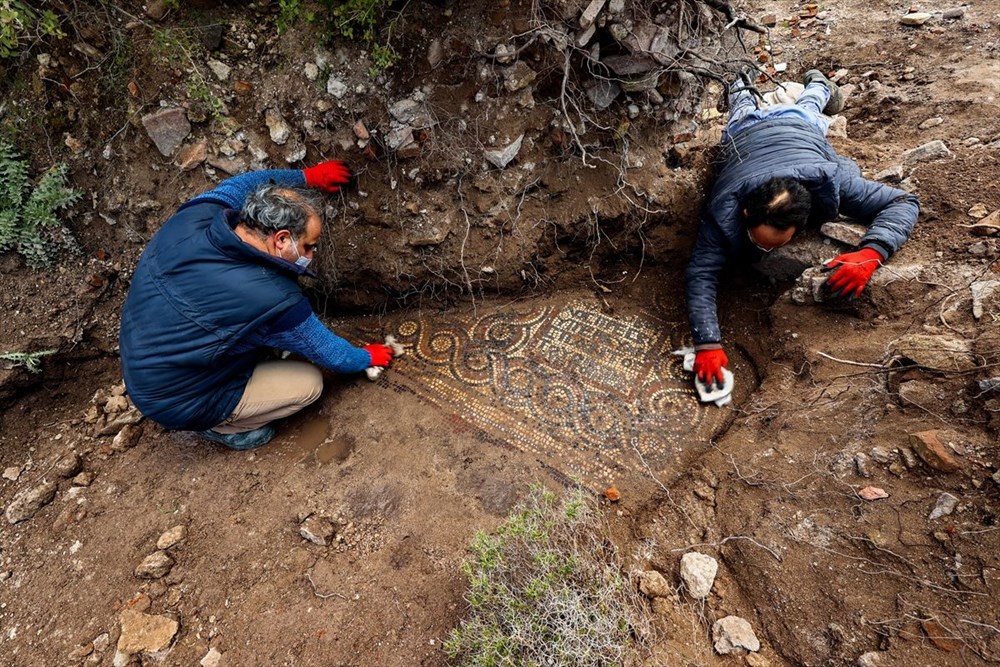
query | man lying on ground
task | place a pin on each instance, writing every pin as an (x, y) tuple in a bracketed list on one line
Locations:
[(217, 288)]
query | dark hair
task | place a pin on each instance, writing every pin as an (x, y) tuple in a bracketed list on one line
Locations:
[(271, 208), (781, 203)]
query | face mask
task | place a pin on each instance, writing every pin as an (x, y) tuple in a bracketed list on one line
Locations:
[(300, 261)]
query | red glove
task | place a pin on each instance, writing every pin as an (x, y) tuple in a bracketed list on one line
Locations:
[(851, 272), (381, 354), (328, 176), (708, 366)]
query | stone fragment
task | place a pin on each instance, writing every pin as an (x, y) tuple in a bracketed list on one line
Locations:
[(171, 537), (156, 9), (698, 574), (936, 352), (503, 54), (978, 211), (336, 87), (26, 504), (81, 652), (232, 166), (501, 157), (733, 634), (154, 566), (190, 157), (168, 128), (872, 493), (143, 633), (932, 150), (295, 152), (602, 92), (652, 584), (982, 290), (769, 20), (789, 261), (931, 122), (435, 53), (861, 463), (837, 128), (317, 529), (412, 113), (68, 465), (212, 659), (940, 636), (585, 35), (210, 35), (844, 232), (944, 506), (893, 174), (870, 659), (928, 446), (220, 69), (126, 438), (518, 76), (116, 404), (399, 136), (953, 14), (311, 71), (589, 14), (277, 126), (613, 494), (915, 18), (361, 132), (83, 479), (12, 473)]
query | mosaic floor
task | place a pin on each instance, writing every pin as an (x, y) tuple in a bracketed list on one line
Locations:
[(582, 391)]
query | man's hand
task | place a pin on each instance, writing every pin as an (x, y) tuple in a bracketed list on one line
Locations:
[(328, 176), (381, 354), (708, 366), (851, 272)]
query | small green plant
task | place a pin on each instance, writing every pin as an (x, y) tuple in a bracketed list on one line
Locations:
[(178, 48), (28, 215), (30, 360), (546, 589), (288, 14), (368, 21), (18, 20)]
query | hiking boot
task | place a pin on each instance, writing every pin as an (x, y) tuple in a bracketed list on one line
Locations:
[(836, 102), (242, 441)]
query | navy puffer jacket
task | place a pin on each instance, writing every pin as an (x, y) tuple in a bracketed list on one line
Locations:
[(785, 148)]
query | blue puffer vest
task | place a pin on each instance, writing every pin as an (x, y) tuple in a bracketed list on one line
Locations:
[(198, 291)]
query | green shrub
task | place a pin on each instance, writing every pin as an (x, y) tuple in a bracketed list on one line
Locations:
[(18, 20), (28, 220), (30, 360), (368, 21), (547, 589)]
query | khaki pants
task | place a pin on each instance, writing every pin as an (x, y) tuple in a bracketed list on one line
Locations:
[(276, 389)]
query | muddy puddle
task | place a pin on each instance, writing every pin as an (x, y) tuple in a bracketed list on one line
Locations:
[(312, 442)]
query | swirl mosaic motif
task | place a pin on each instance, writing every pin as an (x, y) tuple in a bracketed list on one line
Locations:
[(580, 390)]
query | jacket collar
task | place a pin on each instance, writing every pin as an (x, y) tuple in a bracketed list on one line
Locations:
[(222, 234)]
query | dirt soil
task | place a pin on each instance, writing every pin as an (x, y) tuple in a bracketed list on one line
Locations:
[(823, 575)]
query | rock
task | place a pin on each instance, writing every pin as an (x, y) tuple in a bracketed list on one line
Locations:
[(155, 566), (212, 659), (944, 506), (616, 7), (928, 446), (168, 128), (171, 537), (788, 262), (698, 574), (399, 136), (652, 584), (311, 71), (102, 642), (633, 111), (81, 652), (838, 127), (733, 634), (336, 87), (116, 404), (83, 479), (317, 529), (295, 153), (68, 465), (232, 166), (936, 352), (872, 493), (870, 659), (982, 290), (757, 660), (12, 473), (26, 504), (500, 158), (921, 394), (844, 232), (952, 14), (861, 463), (190, 157), (277, 126), (932, 150), (585, 35), (503, 54), (978, 211), (893, 174), (518, 76), (210, 36), (435, 53), (589, 14), (941, 637), (145, 632), (220, 69), (915, 18), (412, 113), (361, 132), (769, 20), (429, 236), (613, 494), (126, 438), (931, 122), (602, 92), (156, 9)]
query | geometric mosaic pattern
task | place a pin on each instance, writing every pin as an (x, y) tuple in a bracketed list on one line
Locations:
[(580, 390)]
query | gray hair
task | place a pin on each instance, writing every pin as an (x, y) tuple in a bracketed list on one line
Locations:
[(272, 207)]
